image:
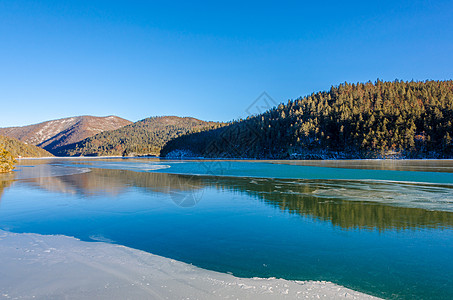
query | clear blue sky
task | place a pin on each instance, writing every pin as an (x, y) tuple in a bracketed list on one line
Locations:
[(207, 59)]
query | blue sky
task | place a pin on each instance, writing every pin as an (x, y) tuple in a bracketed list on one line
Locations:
[(208, 60)]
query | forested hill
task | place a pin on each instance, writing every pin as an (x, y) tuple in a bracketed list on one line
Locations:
[(145, 137), (364, 120), (20, 149)]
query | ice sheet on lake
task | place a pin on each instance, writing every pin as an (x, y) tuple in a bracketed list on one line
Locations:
[(427, 190), (47, 170), (125, 165), (425, 196)]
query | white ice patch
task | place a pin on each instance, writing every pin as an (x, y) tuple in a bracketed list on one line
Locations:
[(425, 196), (39, 171), (101, 238), (132, 166)]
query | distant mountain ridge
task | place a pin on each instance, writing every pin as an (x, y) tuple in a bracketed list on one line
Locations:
[(51, 135), (144, 137)]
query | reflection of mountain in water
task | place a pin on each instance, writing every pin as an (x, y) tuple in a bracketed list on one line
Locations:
[(86, 184), (348, 204), (6, 180), (113, 182)]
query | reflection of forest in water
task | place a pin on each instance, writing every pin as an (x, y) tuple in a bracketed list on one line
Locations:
[(330, 200), (6, 179), (347, 204)]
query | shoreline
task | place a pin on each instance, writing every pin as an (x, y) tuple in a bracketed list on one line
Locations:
[(238, 159), (56, 266)]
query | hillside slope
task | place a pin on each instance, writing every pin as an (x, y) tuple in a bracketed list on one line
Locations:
[(20, 149), (7, 162), (364, 120), (53, 134), (145, 137)]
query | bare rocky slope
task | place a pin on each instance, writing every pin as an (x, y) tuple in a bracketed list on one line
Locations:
[(54, 134)]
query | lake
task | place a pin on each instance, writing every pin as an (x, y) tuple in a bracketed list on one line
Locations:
[(380, 227)]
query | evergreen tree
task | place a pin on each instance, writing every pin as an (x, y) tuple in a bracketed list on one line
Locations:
[(363, 120), (7, 161)]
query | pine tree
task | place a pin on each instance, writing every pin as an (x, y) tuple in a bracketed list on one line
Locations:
[(7, 161)]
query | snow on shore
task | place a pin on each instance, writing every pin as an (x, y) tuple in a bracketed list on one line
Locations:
[(58, 267)]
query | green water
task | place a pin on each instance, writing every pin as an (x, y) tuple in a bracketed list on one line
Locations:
[(384, 228)]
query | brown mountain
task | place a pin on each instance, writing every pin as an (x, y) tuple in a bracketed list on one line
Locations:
[(54, 134), (144, 137)]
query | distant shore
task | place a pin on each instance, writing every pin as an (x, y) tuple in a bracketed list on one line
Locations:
[(240, 159), (41, 267)]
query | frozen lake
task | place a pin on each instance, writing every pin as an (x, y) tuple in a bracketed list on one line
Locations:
[(381, 227)]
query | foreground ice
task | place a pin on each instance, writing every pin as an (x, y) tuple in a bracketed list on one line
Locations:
[(59, 267)]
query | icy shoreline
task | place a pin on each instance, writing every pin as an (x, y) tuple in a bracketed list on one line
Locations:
[(42, 267)]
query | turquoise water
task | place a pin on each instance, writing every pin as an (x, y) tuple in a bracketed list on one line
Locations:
[(384, 232)]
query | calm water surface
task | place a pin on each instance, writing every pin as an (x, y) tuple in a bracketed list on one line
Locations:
[(381, 227)]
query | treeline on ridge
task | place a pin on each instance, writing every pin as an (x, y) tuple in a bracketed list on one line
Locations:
[(7, 162), (145, 137), (20, 149), (363, 120)]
